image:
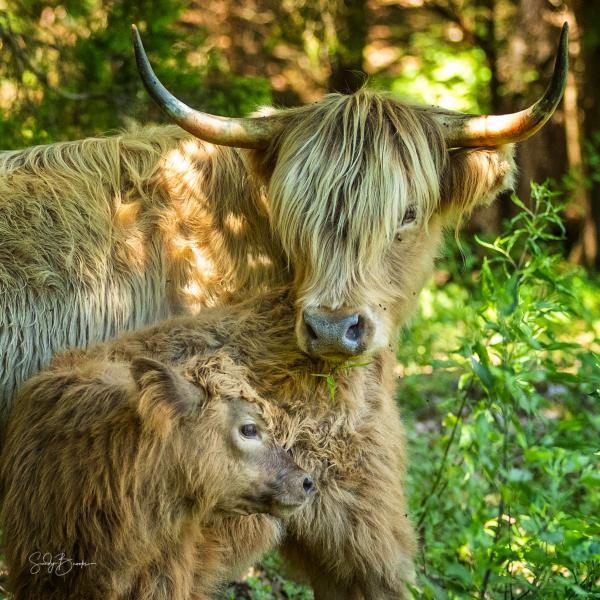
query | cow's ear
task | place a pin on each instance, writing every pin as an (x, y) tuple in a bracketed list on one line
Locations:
[(263, 161), (163, 394), (475, 176)]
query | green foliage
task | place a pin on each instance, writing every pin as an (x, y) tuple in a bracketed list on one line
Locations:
[(267, 583), (71, 70), (592, 159), (504, 477), (442, 76), (329, 378), (433, 70)]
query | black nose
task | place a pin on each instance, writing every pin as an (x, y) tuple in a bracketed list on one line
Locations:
[(307, 484), (334, 333)]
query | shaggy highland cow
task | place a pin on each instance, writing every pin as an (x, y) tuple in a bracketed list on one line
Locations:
[(345, 198), (353, 539), (112, 472)]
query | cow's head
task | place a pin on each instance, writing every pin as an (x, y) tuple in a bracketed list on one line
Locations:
[(360, 187)]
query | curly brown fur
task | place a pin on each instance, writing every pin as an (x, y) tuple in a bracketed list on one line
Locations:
[(124, 466), (354, 536)]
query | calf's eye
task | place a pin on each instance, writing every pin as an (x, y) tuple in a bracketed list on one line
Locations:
[(249, 431)]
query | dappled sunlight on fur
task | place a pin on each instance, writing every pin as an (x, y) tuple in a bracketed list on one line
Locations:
[(109, 234)]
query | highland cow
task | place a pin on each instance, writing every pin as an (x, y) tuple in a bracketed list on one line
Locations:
[(111, 473), (346, 198), (354, 538)]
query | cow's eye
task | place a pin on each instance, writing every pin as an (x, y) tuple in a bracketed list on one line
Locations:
[(410, 215), (249, 430)]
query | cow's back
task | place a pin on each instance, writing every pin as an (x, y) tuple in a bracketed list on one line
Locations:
[(105, 235)]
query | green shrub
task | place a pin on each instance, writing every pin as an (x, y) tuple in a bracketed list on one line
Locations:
[(505, 443), (500, 387)]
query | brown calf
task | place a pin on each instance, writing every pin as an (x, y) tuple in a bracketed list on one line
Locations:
[(353, 539), (111, 471)]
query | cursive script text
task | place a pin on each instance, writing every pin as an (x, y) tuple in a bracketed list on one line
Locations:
[(60, 565)]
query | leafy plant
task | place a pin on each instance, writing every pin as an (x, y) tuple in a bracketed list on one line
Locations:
[(330, 377), (506, 490)]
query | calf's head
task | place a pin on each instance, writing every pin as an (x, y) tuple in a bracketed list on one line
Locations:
[(224, 453), (359, 188)]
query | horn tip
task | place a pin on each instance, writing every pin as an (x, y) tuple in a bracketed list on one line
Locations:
[(563, 42), (136, 39), (564, 34), (563, 45)]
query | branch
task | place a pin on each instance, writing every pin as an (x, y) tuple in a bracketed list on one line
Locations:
[(440, 470), (488, 571), (451, 13)]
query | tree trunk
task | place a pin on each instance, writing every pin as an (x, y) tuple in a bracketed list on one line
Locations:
[(347, 45), (587, 18), (533, 46)]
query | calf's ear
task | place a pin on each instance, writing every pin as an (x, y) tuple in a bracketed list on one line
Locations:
[(475, 176), (163, 393)]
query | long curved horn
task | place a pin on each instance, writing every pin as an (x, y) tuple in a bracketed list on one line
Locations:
[(252, 132), (463, 130)]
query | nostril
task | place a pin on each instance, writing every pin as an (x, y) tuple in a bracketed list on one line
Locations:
[(355, 332), (338, 332), (310, 331), (307, 484)]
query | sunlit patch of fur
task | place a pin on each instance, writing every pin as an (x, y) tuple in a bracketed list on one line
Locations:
[(107, 234)]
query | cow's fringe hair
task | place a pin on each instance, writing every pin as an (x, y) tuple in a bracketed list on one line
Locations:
[(366, 157)]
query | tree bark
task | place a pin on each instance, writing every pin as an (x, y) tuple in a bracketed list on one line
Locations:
[(587, 17), (347, 46), (544, 156)]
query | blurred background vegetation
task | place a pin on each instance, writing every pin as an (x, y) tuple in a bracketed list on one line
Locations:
[(499, 370)]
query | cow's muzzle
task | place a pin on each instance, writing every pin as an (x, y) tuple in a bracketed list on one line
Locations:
[(341, 333)]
